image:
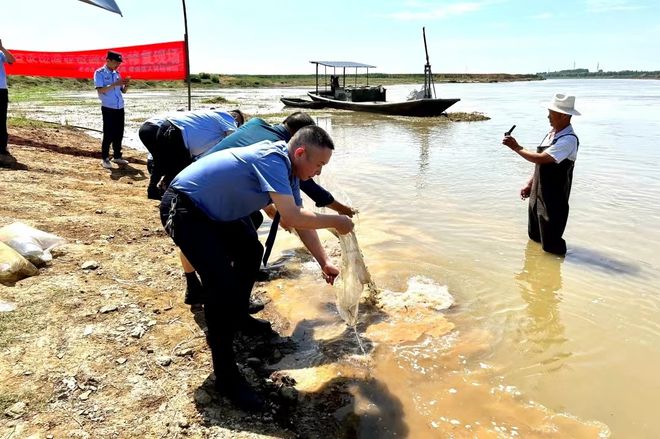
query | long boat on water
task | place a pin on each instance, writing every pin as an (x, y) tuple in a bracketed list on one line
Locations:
[(370, 98)]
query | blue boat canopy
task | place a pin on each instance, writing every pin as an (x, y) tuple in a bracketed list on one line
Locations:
[(343, 64)]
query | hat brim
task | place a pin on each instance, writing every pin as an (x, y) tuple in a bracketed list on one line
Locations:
[(557, 109)]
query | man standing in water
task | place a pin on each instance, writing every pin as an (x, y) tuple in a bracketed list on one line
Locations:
[(5, 57), (550, 186), (111, 87), (206, 210)]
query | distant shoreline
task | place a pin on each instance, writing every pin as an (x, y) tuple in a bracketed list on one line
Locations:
[(29, 84), (213, 80)]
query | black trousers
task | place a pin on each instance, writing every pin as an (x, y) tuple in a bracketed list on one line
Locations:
[(226, 255), (4, 136), (165, 143), (113, 132)]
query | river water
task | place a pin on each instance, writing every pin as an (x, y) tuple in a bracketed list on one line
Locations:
[(534, 345)]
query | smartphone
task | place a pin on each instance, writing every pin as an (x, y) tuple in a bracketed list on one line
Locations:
[(508, 133)]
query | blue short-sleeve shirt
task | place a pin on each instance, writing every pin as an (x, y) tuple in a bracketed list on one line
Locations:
[(203, 129), (112, 98), (253, 131), (233, 183), (3, 73)]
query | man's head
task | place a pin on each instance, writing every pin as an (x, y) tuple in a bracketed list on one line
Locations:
[(238, 116), (113, 60), (297, 120), (309, 150), (560, 110)]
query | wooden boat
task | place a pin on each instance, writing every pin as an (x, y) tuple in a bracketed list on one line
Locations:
[(414, 108), (302, 103), (372, 98)]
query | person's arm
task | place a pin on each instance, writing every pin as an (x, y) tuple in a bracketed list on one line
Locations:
[(107, 88), (311, 240), (526, 190), (316, 192), (298, 218), (8, 55), (534, 157), (124, 84), (104, 89), (323, 198), (342, 209)]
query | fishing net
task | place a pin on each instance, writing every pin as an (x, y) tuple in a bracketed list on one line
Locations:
[(354, 277)]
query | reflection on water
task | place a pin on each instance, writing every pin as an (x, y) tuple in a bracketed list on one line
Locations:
[(540, 284)]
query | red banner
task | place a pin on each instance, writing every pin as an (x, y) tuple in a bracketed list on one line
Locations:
[(159, 62)]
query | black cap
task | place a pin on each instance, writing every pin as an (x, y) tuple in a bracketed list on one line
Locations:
[(114, 56)]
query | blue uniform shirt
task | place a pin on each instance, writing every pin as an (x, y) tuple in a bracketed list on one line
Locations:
[(3, 74), (112, 98), (255, 130), (233, 183), (203, 129)]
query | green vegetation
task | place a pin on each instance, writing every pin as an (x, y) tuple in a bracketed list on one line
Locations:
[(24, 122), (218, 100), (585, 73)]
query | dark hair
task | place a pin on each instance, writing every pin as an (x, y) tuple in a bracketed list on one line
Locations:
[(297, 120), (312, 135), (239, 116)]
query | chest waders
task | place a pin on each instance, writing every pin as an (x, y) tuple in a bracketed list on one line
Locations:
[(548, 202)]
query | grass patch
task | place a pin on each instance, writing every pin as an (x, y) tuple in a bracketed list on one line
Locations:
[(459, 116), (218, 100), (24, 122)]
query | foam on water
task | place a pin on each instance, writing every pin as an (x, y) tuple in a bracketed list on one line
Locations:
[(422, 292)]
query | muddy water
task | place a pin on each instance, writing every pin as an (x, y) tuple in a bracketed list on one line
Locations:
[(534, 345)]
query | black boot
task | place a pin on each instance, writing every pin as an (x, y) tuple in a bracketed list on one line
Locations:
[(228, 380), (236, 389), (194, 290), (255, 307), (249, 325)]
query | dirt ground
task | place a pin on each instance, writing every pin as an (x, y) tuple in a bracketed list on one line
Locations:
[(112, 351)]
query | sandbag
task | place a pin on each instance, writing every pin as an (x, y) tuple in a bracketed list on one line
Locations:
[(13, 266), (31, 243), (354, 277)]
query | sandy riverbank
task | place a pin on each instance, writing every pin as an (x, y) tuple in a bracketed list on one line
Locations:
[(114, 352)]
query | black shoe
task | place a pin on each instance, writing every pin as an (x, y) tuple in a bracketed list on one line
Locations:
[(239, 392), (153, 193), (255, 307), (252, 326), (262, 276), (7, 160), (194, 296)]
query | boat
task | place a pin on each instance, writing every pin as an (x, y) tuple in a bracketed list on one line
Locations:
[(372, 99), (413, 108), (302, 103)]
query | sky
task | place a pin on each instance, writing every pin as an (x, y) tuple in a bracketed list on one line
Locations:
[(270, 37)]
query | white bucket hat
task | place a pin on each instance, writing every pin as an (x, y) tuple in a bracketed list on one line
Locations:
[(563, 104)]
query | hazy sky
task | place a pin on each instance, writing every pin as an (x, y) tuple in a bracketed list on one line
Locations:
[(511, 36)]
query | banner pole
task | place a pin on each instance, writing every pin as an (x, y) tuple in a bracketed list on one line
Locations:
[(185, 38)]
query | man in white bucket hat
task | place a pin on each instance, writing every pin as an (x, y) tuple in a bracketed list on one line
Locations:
[(550, 186)]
